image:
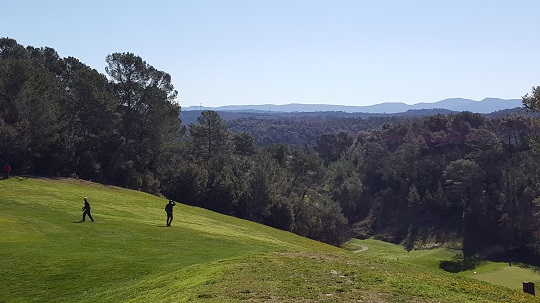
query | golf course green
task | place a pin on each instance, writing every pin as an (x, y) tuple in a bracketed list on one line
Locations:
[(129, 255), (499, 273)]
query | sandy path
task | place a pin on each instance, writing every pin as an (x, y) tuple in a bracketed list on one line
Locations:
[(361, 248)]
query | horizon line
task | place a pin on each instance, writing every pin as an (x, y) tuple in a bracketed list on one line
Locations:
[(342, 105)]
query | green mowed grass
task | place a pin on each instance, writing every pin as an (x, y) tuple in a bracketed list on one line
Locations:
[(429, 257), (499, 273), (128, 255), (46, 255), (503, 274)]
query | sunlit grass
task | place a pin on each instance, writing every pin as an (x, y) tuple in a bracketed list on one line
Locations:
[(128, 255), (428, 257), (502, 274), (498, 273)]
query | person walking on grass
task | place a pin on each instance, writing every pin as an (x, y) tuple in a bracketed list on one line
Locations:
[(86, 210), (169, 210)]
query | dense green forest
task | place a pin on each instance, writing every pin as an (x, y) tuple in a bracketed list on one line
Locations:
[(461, 178), (301, 128)]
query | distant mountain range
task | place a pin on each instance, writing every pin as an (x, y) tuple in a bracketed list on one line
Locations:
[(488, 105)]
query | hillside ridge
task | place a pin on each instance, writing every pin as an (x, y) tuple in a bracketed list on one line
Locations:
[(125, 256)]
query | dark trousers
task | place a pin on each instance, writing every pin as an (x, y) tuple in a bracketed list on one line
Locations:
[(169, 219), (6, 174), (89, 215)]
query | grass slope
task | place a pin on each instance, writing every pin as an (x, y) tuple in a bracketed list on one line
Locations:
[(128, 255), (494, 272)]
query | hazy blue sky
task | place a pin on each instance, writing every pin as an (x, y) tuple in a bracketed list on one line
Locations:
[(296, 51)]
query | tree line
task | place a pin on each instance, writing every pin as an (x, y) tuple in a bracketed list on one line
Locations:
[(304, 130), (460, 177), (61, 117)]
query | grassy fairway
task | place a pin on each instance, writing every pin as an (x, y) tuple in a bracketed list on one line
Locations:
[(499, 273), (128, 255), (502, 274), (430, 258)]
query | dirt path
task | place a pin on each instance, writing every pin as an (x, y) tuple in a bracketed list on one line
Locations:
[(361, 248)]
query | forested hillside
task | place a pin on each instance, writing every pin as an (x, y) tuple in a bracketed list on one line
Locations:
[(304, 128), (461, 177)]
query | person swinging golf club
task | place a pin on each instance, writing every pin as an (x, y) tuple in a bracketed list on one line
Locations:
[(169, 211)]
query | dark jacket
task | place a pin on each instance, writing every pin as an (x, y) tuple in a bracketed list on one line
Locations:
[(169, 207)]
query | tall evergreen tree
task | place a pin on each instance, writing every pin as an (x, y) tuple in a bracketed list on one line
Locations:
[(210, 136), (149, 112)]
